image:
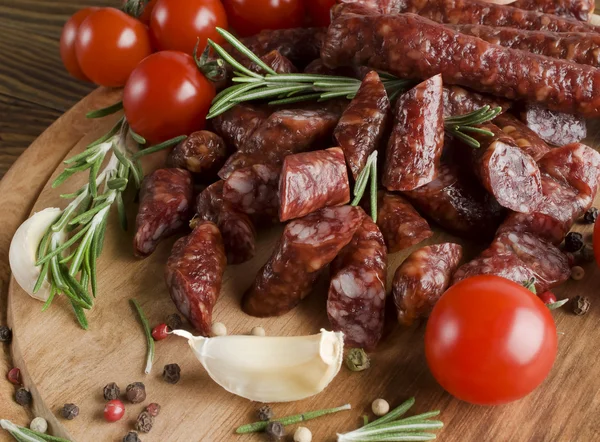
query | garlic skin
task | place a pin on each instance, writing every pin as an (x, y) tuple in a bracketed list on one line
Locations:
[(23, 250), (270, 368)]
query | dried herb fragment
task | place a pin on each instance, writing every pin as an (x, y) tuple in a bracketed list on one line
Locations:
[(590, 216), (357, 360), (144, 422), (132, 436), (174, 321), (265, 413), (23, 397), (5, 334), (136, 392), (153, 409), (69, 411), (172, 373), (573, 242), (111, 392), (581, 305), (275, 431)]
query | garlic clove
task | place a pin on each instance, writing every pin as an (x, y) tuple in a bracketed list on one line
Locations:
[(23, 251), (270, 368)]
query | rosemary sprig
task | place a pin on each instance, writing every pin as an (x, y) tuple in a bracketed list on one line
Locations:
[(290, 420), (105, 111), (369, 173), (22, 434), (391, 428), (459, 125), (283, 88), (148, 333)]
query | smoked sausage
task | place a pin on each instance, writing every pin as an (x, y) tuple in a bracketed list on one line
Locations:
[(202, 152), (556, 128), (526, 139), (577, 9)]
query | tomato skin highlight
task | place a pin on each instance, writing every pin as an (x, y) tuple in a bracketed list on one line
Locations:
[(490, 341), (67, 42), (178, 24), (167, 96), (319, 11), (249, 17), (109, 45)]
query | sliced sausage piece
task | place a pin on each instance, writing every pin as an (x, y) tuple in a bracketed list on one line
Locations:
[(459, 101), (401, 225), (312, 180), (395, 44), (254, 190), (194, 274), (556, 128), (525, 138), (577, 9), (237, 230), (277, 62), (242, 160), (306, 247), (239, 123), (166, 205), (356, 300), (506, 171), (415, 147), (202, 152), (578, 47), (458, 204), (362, 124), (422, 279), (577, 165)]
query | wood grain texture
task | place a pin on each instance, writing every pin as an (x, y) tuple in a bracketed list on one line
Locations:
[(71, 365)]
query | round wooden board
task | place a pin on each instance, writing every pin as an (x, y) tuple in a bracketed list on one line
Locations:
[(62, 363)]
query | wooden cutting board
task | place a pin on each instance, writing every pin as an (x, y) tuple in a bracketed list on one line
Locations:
[(63, 364)]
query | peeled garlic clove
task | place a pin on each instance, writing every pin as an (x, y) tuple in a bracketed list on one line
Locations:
[(23, 251), (270, 368)]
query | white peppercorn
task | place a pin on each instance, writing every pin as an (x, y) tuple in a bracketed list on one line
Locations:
[(302, 434), (39, 424), (258, 331), (218, 329), (380, 407)]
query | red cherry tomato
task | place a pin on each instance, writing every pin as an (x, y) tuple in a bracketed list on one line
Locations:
[(109, 45), (147, 12), (548, 298), (160, 332), (249, 17), (167, 96), (178, 24), (114, 410), (319, 11), (67, 43), (490, 341)]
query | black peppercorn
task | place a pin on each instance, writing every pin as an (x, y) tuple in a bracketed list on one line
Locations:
[(172, 373), (153, 409), (132, 436), (111, 392), (265, 413), (23, 396), (587, 253), (144, 422), (174, 321), (5, 334), (590, 216), (581, 305), (70, 411), (275, 431), (573, 242), (136, 392)]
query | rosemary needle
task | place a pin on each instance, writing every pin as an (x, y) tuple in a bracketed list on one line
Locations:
[(148, 333)]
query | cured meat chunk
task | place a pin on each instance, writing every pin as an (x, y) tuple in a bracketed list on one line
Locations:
[(394, 44), (237, 230), (362, 124), (422, 279), (576, 165), (202, 152), (459, 101), (166, 201), (525, 138), (519, 257), (577, 9), (241, 160), (578, 47), (239, 123), (194, 274), (312, 180), (254, 190), (356, 301), (306, 247), (400, 224), (415, 147), (506, 171), (556, 128), (275, 61), (458, 204)]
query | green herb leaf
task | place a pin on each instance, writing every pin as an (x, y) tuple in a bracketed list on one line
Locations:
[(148, 333), (109, 110)]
